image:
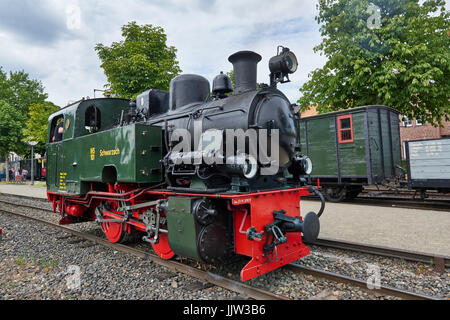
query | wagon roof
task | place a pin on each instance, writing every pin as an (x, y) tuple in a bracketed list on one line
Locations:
[(351, 110)]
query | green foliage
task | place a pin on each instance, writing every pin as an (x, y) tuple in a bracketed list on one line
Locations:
[(231, 75), (37, 124), (140, 62), (10, 129), (404, 63), (20, 91)]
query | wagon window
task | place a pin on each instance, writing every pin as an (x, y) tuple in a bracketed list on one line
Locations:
[(345, 128)]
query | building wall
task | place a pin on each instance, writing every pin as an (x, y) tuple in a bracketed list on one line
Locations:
[(310, 112)]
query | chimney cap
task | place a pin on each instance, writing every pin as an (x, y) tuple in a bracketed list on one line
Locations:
[(241, 54)]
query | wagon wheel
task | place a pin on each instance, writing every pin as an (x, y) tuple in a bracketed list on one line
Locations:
[(334, 194), (353, 193)]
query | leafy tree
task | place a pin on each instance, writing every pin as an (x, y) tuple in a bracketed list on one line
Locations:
[(403, 61), (20, 91), (10, 131), (140, 62), (37, 124), (231, 75)]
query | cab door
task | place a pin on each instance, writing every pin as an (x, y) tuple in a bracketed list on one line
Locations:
[(52, 167)]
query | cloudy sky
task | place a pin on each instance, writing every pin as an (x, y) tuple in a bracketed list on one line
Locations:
[(54, 40)]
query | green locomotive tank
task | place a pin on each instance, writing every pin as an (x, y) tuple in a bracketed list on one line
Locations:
[(92, 151)]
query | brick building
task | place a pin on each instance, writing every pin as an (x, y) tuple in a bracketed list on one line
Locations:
[(410, 130)]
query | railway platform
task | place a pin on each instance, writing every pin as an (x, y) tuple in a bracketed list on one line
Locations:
[(425, 231), (419, 230), (24, 190)]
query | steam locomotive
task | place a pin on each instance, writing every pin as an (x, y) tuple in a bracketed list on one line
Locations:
[(199, 173)]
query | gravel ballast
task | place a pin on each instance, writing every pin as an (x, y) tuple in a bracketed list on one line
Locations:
[(36, 261)]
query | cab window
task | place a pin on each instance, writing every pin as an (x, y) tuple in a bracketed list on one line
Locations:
[(57, 129), (92, 119)]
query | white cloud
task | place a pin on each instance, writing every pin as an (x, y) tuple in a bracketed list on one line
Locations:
[(204, 32)]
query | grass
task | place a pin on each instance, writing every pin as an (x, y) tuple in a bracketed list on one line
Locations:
[(44, 263), (36, 184), (11, 182), (21, 261), (49, 263), (40, 185)]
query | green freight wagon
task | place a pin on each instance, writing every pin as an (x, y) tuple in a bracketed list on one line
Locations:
[(353, 148)]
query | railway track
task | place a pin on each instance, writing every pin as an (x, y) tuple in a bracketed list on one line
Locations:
[(440, 262), (405, 193), (174, 266), (249, 291), (383, 290), (428, 204)]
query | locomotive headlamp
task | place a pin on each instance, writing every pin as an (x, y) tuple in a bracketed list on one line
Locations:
[(302, 166), (250, 167), (307, 165), (283, 64)]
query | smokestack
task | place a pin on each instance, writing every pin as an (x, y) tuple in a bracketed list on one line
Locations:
[(244, 65)]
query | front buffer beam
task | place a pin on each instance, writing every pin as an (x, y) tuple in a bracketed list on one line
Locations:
[(260, 221)]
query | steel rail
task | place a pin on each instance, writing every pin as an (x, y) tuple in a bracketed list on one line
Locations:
[(215, 279), (405, 192), (24, 197), (439, 261), (429, 258), (383, 290), (261, 294), (26, 206), (435, 205)]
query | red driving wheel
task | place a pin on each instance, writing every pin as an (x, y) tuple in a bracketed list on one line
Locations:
[(162, 248), (113, 231)]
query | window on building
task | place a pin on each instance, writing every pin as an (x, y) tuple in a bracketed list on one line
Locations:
[(407, 122), (345, 128)]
